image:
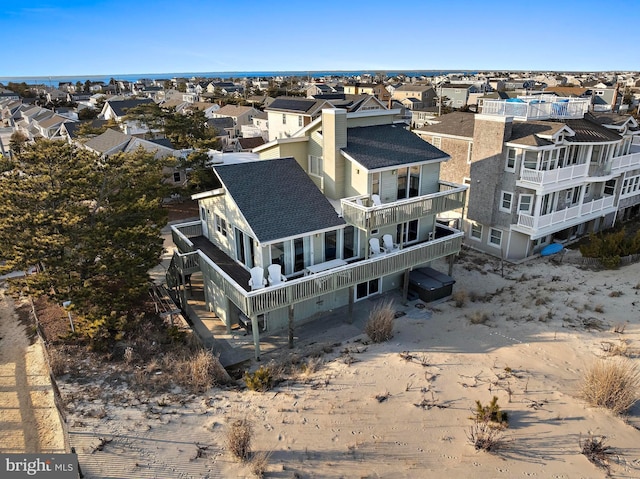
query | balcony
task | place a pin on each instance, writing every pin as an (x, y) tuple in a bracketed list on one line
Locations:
[(620, 164), (365, 216), (540, 107), (541, 225), (296, 290), (530, 178)]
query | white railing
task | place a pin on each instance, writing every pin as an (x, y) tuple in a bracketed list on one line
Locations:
[(547, 177), (626, 162), (357, 211), (537, 108), (556, 218), (256, 302)]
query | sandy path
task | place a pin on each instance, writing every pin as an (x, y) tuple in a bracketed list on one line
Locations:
[(29, 420)]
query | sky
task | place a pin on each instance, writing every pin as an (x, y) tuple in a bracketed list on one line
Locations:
[(96, 37)]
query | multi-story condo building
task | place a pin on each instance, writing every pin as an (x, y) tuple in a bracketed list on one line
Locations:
[(540, 169), (340, 211)]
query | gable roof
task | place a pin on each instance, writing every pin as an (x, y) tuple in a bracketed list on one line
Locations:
[(277, 198), (119, 107), (529, 133), (220, 124), (386, 146), (109, 142), (72, 126), (588, 131), (233, 110), (295, 105), (250, 143)]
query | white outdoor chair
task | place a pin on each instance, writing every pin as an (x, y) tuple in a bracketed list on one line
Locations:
[(275, 275), (389, 245), (376, 249), (375, 199), (257, 280)]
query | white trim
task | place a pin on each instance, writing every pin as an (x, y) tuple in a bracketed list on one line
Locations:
[(527, 211), (471, 225), (489, 243), (502, 198)]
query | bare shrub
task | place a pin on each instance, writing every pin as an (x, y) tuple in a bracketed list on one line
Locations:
[(599, 308), (460, 298), (596, 451), (613, 384), (615, 294), (478, 317), (57, 361), (621, 348), (483, 436), (259, 463), (379, 326), (239, 436), (199, 371)]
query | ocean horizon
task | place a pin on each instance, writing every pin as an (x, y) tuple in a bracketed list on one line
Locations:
[(133, 77)]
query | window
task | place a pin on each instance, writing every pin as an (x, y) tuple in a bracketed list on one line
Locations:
[(525, 203), (369, 288), (299, 120), (495, 237), (511, 160), (609, 187), (176, 177), (531, 160), (476, 231), (469, 152), (436, 141), (315, 165), (330, 245), (505, 202), (221, 225), (375, 184), (284, 119)]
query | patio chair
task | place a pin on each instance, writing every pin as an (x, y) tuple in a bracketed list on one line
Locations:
[(375, 199), (389, 245), (257, 280), (376, 249), (275, 275)]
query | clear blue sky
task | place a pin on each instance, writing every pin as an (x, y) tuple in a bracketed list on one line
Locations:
[(96, 37)]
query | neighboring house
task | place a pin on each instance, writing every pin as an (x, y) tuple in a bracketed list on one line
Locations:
[(606, 97), (225, 130), (206, 107), (287, 115), (541, 169), (241, 115), (424, 94), (420, 117), (319, 89), (117, 110), (112, 142), (56, 95), (259, 127), (50, 127), (248, 144), (374, 89), (69, 129), (294, 235), (457, 96), (8, 95)]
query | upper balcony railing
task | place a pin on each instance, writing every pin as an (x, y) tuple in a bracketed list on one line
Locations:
[(293, 291), (625, 163), (556, 175), (564, 218), (542, 107), (357, 212)]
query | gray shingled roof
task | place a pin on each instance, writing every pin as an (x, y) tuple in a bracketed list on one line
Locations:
[(607, 118), (301, 105), (120, 107), (457, 123), (109, 140), (385, 146), (277, 198), (590, 131), (526, 132)]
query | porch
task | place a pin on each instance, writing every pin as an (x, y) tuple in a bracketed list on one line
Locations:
[(537, 107)]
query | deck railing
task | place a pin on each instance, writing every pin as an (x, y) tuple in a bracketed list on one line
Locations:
[(450, 197), (256, 302), (583, 211), (537, 107), (557, 175), (626, 162)]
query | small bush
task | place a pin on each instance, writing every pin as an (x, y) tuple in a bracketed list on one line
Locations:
[(198, 371), (379, 326), (479, 317), (599, 308), (260, 380), (459, 298), (596, 451), (612, 384), (239, 438), (491, 413), (615, 294)]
